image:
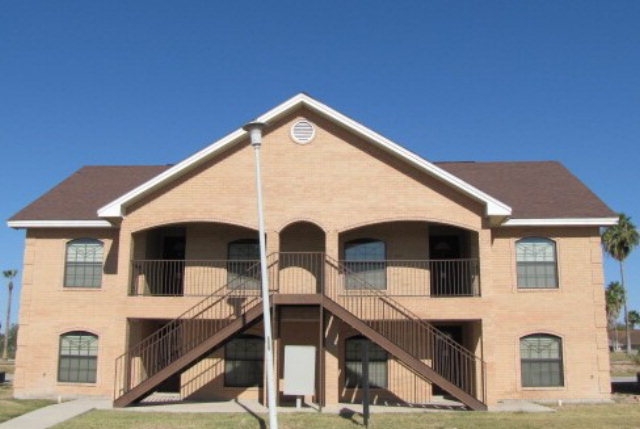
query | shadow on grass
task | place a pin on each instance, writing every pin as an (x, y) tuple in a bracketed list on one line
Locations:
[(261, 422), (348, 414)]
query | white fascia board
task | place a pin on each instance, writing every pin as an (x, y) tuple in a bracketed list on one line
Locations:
[(115, 209), (494, 207), (597, 221), (59, 224)]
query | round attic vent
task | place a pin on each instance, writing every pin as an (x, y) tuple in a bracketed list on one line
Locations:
[(303, 131)]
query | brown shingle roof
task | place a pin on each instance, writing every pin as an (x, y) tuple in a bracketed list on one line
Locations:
[(534, 190), (81, 195)]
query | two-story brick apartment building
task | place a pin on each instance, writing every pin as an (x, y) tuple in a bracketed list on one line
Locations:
[(483, 280)]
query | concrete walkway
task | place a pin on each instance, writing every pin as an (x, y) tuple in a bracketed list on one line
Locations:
[(50, 416), (53, 414)]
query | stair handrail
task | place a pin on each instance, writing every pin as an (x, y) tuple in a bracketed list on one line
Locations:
[(371, 291), (222, 294)]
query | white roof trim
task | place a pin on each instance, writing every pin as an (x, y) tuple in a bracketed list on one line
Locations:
[(493, 206), (596, 221), (59, 224)]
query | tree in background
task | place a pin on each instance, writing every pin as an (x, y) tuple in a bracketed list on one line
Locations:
[(9, 275), (618, 241), (12, 343), (634, 318), (614, 299)]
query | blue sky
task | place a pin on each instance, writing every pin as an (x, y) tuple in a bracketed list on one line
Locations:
[(151, 82)]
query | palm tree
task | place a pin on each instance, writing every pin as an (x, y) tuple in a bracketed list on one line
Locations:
[(618, 241), (614, 298), (9, 275)]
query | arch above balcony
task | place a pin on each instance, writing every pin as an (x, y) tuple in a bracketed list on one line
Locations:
[(409, 219)]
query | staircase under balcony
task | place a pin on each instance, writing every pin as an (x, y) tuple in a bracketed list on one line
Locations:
[(347, 291)]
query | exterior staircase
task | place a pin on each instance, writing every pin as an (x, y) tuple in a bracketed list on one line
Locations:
[(417, 344)]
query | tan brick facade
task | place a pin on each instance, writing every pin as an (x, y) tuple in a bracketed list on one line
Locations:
[(318, 197)]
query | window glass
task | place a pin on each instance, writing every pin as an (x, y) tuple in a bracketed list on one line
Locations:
[(78, 357), (83, 266), (353, 363), (536, 263), (541, 361), (365, 264), (243, 362), (243, 266)]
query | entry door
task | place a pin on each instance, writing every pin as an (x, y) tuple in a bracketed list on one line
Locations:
[(443, 361), (173, 251), (443, 250)]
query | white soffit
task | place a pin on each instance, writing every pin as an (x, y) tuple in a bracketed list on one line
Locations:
[(59, 224), (493, 206), (596, 221)]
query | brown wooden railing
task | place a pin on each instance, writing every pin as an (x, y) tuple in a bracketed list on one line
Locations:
[(300, 274), (181, 335), (404, 328), (191, 277), (419, 278)]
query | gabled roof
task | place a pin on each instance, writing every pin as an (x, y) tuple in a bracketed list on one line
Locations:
[(116, 208), (513, 193), (75, 201), (540, 193)]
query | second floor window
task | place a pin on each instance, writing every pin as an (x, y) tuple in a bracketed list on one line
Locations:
[(243, 265), (83, 264), (536, 263), (365, 264)]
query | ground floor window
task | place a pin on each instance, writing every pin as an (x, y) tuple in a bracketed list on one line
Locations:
[(353, 363), (541, 361), (78, 357), (243, 362)]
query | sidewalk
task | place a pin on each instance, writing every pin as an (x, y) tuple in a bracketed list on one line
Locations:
[(49, 416), (46, 417)]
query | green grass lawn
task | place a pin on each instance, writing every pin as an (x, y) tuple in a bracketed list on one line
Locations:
[(567, 417), (10, 408)]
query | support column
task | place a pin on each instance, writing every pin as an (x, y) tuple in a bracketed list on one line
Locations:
[(332, 245), (331, 360)]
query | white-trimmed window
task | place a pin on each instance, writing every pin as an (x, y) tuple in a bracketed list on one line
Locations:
[(83, 263), (78, 357), (353, 363), (536, 263), (365, 263), (244, 361), (541, 361)]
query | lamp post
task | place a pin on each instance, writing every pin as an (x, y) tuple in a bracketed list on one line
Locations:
[(255, 133)]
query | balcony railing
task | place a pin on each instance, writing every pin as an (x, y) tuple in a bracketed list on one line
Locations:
[(300, 272)]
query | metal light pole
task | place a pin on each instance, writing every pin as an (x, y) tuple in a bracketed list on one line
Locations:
[(255, 132)]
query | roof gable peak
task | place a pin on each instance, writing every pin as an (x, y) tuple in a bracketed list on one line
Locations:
[(117, 207)]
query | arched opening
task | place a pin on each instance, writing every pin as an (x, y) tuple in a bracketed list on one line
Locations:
[(411, 258), (301, 259), (188, 259)]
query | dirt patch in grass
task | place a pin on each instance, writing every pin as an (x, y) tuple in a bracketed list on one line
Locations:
[(7, 367), (623, 365)]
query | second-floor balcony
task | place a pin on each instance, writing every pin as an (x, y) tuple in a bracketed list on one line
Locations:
[(307, 273)]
